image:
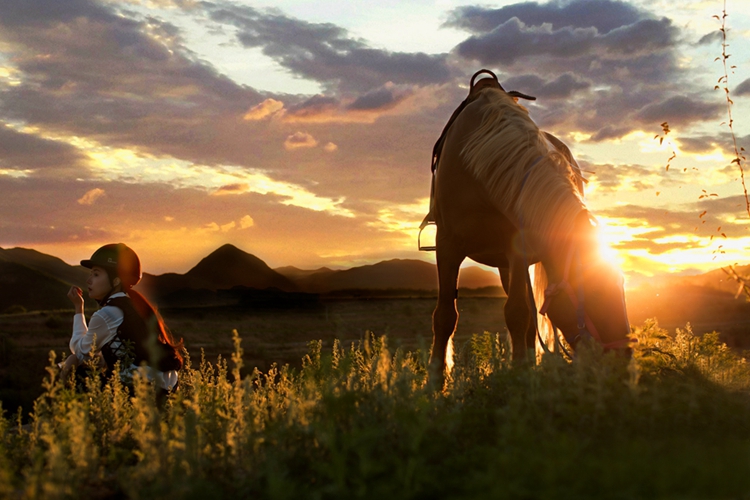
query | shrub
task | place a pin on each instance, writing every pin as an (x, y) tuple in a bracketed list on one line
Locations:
[(360, 421)]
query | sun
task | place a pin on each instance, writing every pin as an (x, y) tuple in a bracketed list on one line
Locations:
[(607, 239)]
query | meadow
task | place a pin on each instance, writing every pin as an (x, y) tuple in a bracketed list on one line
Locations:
[(358, 419)]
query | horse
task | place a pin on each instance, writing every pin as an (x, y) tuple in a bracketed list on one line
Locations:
[(508, 195)]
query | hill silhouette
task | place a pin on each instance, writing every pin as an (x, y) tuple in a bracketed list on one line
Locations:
[(390, 274), (34, 281), (38, 281), (224, 268), (46, 264), (716, 280), (26, 287), (228, 266)]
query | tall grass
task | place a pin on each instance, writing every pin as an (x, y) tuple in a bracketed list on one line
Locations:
[(360, 421)]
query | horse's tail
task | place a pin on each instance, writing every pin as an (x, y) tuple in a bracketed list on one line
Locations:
[(539, 284)]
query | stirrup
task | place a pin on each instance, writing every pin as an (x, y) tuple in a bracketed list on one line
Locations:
[(426, 222)]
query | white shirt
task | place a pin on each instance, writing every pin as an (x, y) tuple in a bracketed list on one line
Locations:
[(101, 329)]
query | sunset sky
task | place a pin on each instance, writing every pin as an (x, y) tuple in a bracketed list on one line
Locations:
[(301, 131)]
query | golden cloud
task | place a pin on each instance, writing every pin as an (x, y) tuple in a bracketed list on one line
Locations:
[(246, 222), (263, 110), (300, 140), (91, 196)]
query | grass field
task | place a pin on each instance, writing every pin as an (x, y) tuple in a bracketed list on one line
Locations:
[(360, 421), (352, 416), (269, 336)]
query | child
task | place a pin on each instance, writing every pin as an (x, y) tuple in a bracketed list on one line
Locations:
[(127, 328)]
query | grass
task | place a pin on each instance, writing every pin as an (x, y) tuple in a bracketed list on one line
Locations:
[(359, 421)]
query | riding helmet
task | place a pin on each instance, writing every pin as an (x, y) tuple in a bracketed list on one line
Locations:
[(119, 260)]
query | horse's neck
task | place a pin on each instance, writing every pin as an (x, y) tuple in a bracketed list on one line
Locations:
[(560, 250)]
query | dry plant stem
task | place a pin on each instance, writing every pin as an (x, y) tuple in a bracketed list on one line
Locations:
[(744, 283), (738, 157)]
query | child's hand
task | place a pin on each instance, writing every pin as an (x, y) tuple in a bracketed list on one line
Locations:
[(75, 295)]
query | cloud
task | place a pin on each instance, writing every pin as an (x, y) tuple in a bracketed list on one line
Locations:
[(300, 140), (330, 147), (705, 144), (28, 151), (604, 15), (90, 197), (595, 59), (246, 222), (37, 13), (267, 108), (312, 108), (236, 188), (610, 178), (679, 109), (110, 76), (743, 88), (714, 37), (684, 220), (561, 87), (514, 40), (384, 97), (327, 53)]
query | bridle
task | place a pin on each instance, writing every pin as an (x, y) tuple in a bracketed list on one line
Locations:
[(586, 327)]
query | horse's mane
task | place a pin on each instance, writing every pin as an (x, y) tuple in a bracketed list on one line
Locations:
[(508, 146)]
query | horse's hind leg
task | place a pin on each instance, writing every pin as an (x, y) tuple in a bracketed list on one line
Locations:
[(445, 317), (518, 310)]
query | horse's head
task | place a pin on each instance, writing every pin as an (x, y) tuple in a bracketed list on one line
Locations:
[(586, 295)]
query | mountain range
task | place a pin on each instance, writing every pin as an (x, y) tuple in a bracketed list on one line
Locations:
[(33, 280)]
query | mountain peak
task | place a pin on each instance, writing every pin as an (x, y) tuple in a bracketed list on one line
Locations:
[(228, 266)]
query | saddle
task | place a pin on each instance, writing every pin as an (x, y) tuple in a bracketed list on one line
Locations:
[(475, 86)]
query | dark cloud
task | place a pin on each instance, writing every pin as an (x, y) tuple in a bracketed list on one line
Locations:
[(123, 82), (600, 61), (743, 88), (376, 99), (327, 53), (715, 37), (21, 151), (702, 144), (513, 40), (604, 15), (561, 87), (679, 109), (314, 105), (610, 132), (611, 178), (36, 13)]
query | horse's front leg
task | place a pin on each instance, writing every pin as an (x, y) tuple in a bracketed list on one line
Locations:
[(445, 317), (518, 310)]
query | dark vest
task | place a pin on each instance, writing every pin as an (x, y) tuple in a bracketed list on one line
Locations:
[(134, 343)]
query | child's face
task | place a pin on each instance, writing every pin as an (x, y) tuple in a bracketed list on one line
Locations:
[(98, 283)]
